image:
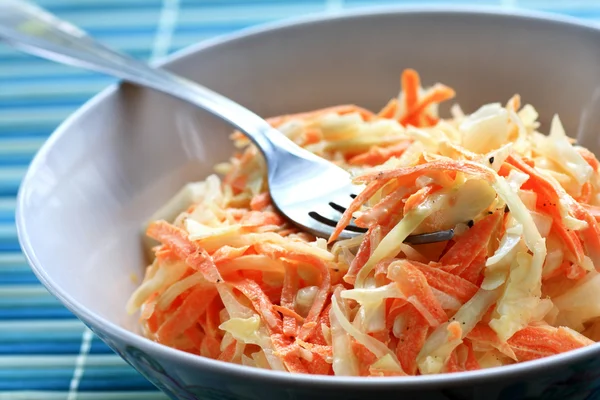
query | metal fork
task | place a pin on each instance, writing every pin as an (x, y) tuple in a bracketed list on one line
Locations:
[(309, 190)]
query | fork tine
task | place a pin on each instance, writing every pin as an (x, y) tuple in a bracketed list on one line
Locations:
[(430, 237), (318, 228), (337, 207), (331, 222), (341, 201)]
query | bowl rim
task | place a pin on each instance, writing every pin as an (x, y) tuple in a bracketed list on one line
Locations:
[(518, 370)]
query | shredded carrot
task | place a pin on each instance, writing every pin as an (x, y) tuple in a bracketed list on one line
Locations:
[(572, 270), (483, 335), (341, 110), (378, 155), (210, 347), (358, 201), (165, 254), (452, 365), (365, 357), (261, 303), (472, 244), (362, 255), (318, 365), (211, 326), (444, 281), (419, 197), (260, 201), (473, 272), (228, 353), (389, 111), (535, 342), (262, 218), (548, 200), (590, 235), (454, 331), (428, 120), (389, 208), (232, 279), (589, 157), (227, 253), (411, 82), (288, 351), (288, 313), (514, 103), (471, 363), (594, 211), (186, 314), (409, 174), (412, 282), (586, 193), (195, 337), (438, 94), (312, 318), (312, 136), (323, 327), (411, 338), (288, 294), (193, 255)]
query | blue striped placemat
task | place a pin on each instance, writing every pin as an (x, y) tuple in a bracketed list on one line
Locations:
[(45, 352)]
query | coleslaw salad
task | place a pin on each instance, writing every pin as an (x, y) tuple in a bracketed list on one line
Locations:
[(232, 280)]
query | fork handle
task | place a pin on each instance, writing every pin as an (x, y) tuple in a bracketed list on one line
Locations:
[(36, 31)]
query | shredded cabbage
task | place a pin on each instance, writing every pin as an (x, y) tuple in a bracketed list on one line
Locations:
[(520, 298), (439, 346), (486, 129), (375, 346), (556, 147)]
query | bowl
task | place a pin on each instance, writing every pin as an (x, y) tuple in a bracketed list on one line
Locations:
[(122, 155)]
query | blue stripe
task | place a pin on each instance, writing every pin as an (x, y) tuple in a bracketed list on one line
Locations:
[(8, 81), (48, 344), (49, 348), (11, 245), (34, 373), (28, 348), (131, 383), (15, 160), (18, 278), (35, 313), (36, 384), (73, 102), (41, 336), (41, 348), (99, 347), (25, 133)]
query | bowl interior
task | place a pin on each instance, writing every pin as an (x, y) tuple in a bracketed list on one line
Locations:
[(114, 163)]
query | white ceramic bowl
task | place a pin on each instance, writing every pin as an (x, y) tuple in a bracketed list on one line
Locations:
[(114, 162)]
